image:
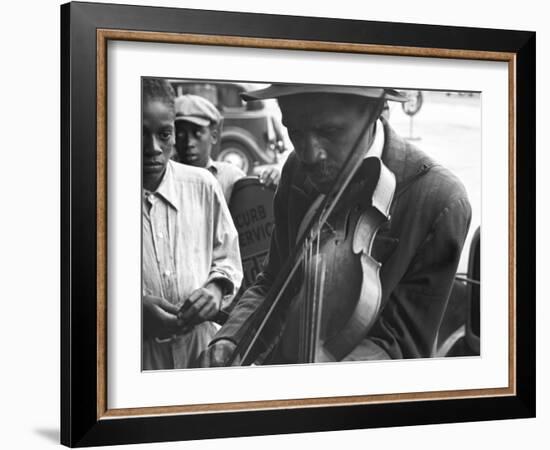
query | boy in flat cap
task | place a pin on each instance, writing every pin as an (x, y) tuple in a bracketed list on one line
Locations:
[(191, 255), (198, 129), (418, 247)]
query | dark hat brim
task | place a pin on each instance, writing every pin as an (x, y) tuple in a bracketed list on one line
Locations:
[(284, 90)]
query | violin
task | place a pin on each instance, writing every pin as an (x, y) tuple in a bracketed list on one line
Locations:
[(341, 293), (329, 290)]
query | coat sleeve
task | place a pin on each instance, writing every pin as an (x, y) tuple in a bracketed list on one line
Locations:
[(410, 319)]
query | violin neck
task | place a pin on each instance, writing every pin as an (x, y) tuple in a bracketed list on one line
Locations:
[(311, 308)]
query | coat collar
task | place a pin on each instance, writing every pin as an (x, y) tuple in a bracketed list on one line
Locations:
[(403, 159)]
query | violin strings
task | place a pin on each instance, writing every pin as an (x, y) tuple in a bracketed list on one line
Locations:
[(304, 303), (310, 299), (320, 305), (315, 304)]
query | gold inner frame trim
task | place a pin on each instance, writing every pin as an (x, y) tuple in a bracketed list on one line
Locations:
[(103, 36)]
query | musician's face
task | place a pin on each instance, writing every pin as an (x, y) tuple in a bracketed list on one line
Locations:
[(323, 129)]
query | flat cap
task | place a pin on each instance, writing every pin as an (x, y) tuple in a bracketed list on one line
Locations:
[(197, 110), (283, 89)]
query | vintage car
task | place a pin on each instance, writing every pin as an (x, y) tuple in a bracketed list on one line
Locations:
[(252, 133), (459, 333)]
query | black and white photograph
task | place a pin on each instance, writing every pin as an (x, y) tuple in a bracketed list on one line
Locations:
[(275, 225), (297, 223), (329, 225)]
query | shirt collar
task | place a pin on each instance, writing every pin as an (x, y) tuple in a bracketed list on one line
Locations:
[(377, 145), (167, 187), (211, 166)]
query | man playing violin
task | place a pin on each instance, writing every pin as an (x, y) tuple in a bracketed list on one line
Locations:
[(418, 247)]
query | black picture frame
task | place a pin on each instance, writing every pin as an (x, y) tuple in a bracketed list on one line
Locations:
[(82, 423)]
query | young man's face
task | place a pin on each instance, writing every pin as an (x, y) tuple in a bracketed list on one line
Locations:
[(194, 143), (158, 141), (323, 129)]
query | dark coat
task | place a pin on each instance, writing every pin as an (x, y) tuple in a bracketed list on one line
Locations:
[(419, 249)]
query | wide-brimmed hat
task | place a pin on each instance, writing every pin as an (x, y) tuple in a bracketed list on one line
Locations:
[(283, 90), (197, 110)]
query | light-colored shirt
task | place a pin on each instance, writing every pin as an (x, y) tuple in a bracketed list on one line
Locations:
[(226, 174), (188, 240), (377, 145)]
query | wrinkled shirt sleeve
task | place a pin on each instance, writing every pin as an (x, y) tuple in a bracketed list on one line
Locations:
[(226, 257)]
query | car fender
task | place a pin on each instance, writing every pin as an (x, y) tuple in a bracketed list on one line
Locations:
[(245, 138)]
